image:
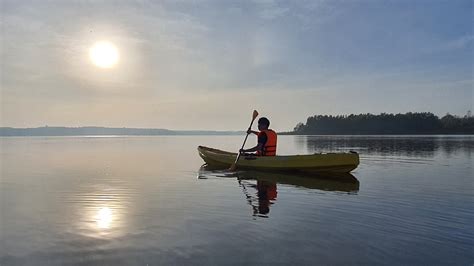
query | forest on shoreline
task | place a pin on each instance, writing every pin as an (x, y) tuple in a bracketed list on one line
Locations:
[(372, 124)]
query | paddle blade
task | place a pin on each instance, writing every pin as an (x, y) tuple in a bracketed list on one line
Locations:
[(233, 167), (255, 114)]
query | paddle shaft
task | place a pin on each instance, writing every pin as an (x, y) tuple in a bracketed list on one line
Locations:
[(243, 144)]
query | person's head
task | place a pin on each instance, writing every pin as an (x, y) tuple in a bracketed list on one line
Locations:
[(263, 123)]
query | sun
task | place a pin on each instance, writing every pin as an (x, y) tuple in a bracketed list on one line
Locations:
[(104, 54)]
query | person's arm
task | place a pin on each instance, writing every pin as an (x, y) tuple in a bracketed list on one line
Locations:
[(262, 139), (259, 147), (250, 131)]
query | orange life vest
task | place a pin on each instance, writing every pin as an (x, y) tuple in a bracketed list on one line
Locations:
[(270, 147)]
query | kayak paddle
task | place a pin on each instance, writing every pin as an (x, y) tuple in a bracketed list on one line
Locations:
[(234, 165)]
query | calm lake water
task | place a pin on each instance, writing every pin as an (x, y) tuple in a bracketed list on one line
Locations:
[(145, 200)]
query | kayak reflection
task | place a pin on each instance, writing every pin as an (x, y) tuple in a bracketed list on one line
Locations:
[(260, 188), (342, 182)]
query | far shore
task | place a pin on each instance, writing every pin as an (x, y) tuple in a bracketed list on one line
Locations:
[(104, 131)]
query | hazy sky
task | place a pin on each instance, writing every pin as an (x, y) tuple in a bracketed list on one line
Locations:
[(208, 64)]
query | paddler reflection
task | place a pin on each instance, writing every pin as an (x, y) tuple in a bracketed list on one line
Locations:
[(267, 193), (264, 194)]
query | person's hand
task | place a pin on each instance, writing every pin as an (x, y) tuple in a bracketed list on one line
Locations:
[(249, 131)]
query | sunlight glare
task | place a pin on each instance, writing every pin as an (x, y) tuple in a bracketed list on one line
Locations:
[(104, 54), (104, 217)]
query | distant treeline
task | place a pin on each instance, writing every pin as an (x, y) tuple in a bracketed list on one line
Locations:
[(409, 123), (98, 131)]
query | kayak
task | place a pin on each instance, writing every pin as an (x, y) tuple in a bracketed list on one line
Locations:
[(314, 163)]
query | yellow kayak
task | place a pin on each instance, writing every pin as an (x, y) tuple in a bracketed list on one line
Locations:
[(316, 163)]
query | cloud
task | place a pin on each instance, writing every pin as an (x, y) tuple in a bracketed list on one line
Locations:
[(288, 58), (35, 48), (450, 45), (273, 12)]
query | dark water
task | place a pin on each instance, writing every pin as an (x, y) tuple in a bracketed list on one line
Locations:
[(145, 200)]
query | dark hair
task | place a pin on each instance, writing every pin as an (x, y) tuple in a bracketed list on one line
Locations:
[(264, 121)]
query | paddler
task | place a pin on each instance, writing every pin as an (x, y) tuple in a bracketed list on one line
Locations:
[(266, 138)]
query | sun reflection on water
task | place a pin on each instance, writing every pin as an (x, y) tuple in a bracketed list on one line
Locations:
[(103, 210), (104, 217)]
